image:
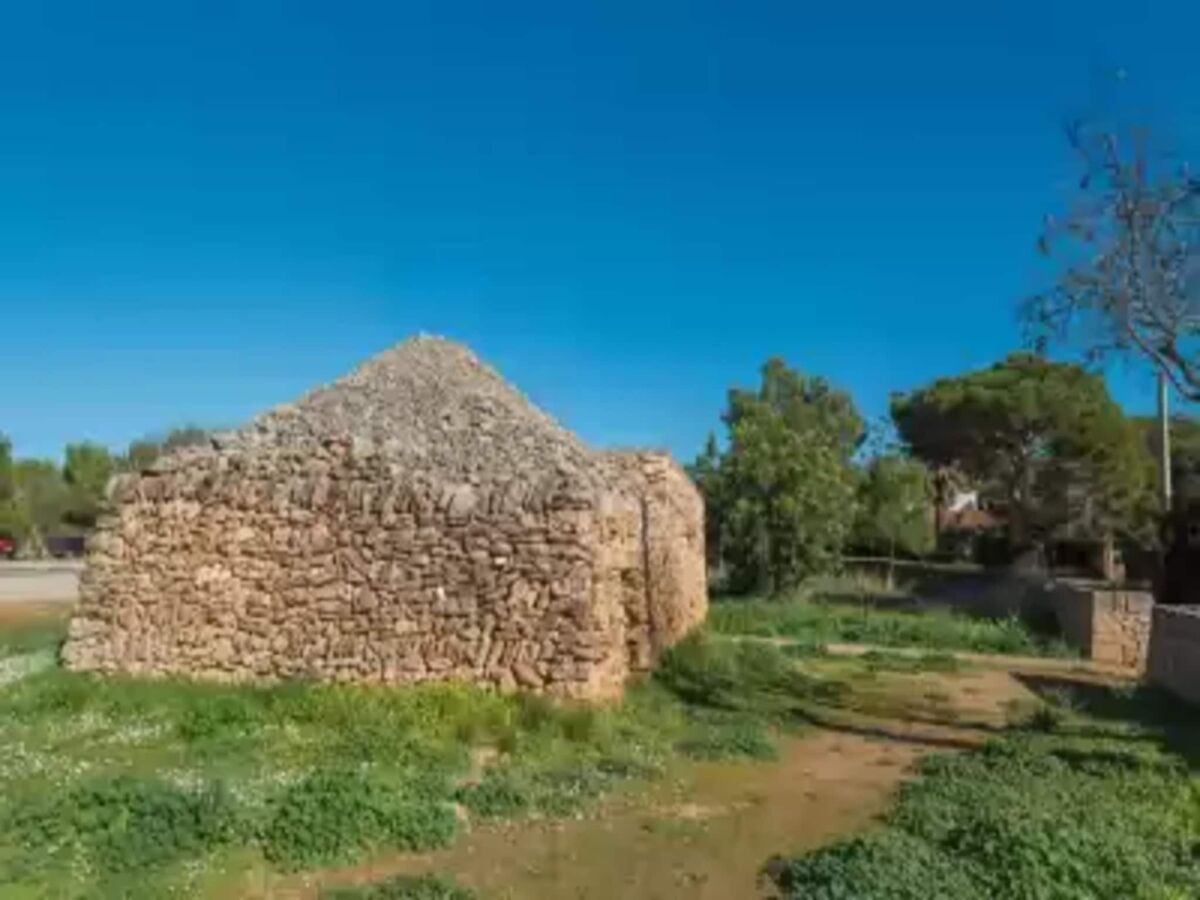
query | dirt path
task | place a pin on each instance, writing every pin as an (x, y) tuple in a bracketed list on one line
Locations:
[(706, 831), (703, 833)]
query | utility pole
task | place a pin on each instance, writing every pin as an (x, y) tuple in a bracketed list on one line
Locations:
[(1164, 441)]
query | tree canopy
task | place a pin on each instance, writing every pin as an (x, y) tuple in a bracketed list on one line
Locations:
[(1043, 440), (803, 403), (895, 507), (780, 498), (40, 499), (86, 471)]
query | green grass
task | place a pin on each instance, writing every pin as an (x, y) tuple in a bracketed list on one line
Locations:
[(885, 661), (1095, 808), (39, 634), (814, 623), (403, 887), (126, 787)]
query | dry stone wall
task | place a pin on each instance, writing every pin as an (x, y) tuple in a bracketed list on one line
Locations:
[(1175, 650), (1109, 625), (300, 554)]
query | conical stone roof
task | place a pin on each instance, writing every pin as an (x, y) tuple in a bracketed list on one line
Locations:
[(432, 406)]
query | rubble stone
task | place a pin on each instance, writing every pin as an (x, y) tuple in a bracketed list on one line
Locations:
[(416, 520)]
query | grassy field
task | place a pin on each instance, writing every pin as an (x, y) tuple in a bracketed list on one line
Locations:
[(809, 620), (127, 788), (1095, 797), (117, 787)]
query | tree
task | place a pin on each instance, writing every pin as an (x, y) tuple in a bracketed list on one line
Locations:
[(1128, 255), (87, 471), (41, 499), (8, 511), (803, 403), (895, 509), (1043, 440), (1185, 452), (6, 470), (780, 499), (706, 473)]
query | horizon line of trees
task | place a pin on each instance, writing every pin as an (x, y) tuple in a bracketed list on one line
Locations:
[(800, 479), (1042, 441), (41, 498)]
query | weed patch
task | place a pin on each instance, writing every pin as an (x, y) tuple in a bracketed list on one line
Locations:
[(336, 815), (403, 887), (116, 825), (814, 622), (1028, 816)]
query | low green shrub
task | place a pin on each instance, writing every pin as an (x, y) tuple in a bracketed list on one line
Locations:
[(402, 887), (716, 736), (500, 794), (883, 865), (1030, 816), (121, 824), (751, 676), (334, 815)]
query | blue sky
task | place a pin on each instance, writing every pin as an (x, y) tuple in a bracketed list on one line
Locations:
[(207, 208)]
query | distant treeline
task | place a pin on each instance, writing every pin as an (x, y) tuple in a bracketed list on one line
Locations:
[(40, 499)]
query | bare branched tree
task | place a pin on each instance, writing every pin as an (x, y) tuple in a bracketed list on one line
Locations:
[(1129, 255)]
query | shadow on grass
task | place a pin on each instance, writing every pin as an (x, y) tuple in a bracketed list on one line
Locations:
[(952, 734), (1152, 712)]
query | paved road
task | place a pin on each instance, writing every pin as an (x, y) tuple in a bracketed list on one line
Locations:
[(24, 581)]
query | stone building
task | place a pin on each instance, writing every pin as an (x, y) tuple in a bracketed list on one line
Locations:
[(417, 520)]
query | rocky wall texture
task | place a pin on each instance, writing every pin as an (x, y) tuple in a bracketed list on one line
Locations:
[(1175, 651), (1109, 625), (483, 544)]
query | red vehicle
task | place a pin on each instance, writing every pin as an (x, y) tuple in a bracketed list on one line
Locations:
[(8, 547)]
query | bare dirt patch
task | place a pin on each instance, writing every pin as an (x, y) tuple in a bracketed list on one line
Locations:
[(30, 611), (707, 829)]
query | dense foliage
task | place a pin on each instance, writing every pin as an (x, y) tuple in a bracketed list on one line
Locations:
[(895, 507), (1044, 441), (1185, 454), (39, 499), (780, 498)]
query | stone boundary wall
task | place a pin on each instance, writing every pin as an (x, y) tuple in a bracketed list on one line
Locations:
[(341, 567), (1175, 651), (1109, 625)]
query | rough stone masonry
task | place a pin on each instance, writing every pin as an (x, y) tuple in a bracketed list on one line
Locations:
[(417, 520)]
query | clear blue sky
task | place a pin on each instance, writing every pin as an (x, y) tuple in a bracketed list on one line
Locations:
[(206, 208)]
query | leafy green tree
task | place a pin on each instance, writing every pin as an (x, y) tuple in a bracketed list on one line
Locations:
[(706, 473), (1185, 453), (8, 511), (1043, 440), (41, 501), (895, 508), (87, 471), (780, 498), (803, 403), (7, 485)]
